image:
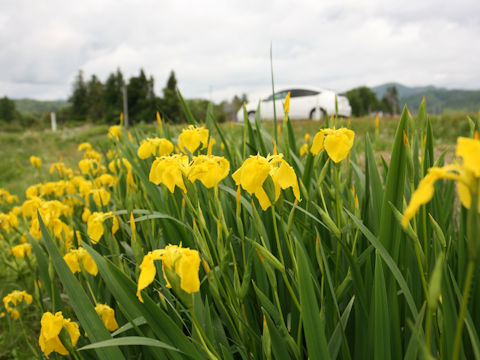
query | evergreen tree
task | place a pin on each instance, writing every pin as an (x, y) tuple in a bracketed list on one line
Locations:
[(113, 97), (95, 100), (8, 112), (79, 98), (141, 98), (170, 104)]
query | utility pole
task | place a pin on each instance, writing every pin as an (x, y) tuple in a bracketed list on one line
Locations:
[(125, 105), (53, 120)]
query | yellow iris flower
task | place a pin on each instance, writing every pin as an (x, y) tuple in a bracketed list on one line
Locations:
[(209, 169), (154, 146), (36, 161), (337, 143), (77, 256), (255, 170), (191, 138), (84, 146), (22, 250), (466, 174), (169, 170), (115, 132), (107, 314), (51, 327), (101, 197), (95, 228), (15, 297), (183, 261)]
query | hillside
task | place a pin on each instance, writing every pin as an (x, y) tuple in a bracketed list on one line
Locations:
[(37, 107), (438, 99)]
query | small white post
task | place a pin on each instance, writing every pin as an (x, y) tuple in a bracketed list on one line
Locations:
[(53, 119)]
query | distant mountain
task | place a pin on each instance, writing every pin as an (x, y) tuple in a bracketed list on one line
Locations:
[(402, 89), (438, 99), (37, 107)]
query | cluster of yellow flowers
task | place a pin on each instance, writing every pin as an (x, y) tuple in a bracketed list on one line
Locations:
[(13, 298), (6, 197)]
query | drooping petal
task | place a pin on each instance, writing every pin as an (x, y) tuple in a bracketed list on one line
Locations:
[(317, 143), (147, 273), (145, 149), (423, 194), (187, 267), (72, 261), (107, 314), (469, 150)]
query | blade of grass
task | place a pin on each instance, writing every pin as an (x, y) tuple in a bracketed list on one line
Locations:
[(314, 330)]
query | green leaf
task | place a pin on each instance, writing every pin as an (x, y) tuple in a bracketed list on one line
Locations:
[(129, 341), (258, 126), (81, 304), (42, 262), (388, 261), (376, 189), (186, 110), (417, 337), (336, 339), (278, 343), (381, 335), (138, 321), (314, 331)]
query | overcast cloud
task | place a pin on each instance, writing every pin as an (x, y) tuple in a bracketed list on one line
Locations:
[(221, 48)]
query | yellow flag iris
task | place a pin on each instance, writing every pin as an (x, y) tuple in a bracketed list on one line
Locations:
[(13, 298), (209, 169), (95, 222), (169, 171), (154, 147), (107, 314), (183, 261), (115, 132), (191, 138), (466, 174), (337, 143), (51, 327), (22, 250), (255, 170), (77, 256), (35, 161)]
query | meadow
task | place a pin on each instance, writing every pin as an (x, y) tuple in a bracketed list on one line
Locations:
[(343, 239)]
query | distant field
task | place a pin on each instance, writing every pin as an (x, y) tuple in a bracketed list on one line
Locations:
[(16, 171)]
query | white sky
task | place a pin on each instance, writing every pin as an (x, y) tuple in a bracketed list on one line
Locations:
[(221, 48)]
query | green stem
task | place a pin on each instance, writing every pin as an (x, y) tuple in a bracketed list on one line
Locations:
[(428, 329)]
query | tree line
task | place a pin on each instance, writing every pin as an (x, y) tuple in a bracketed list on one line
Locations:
[(94, 101), (364, 101)]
